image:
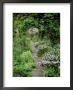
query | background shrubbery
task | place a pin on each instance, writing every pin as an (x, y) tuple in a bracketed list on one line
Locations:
[(47, 23)]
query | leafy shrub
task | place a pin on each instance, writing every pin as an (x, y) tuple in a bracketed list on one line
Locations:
[(26, 56), (53, 53), (26, 65), (22, 70), (49, 57), (52, 71), (41, 52)]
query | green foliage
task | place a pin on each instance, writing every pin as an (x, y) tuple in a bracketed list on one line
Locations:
[(26, 57), (52, 71), (22, 70), (53, 53), (49, 52), (48, 24), (25, 66), (42, 51)]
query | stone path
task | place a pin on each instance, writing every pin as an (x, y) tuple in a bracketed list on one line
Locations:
[(38, 71)]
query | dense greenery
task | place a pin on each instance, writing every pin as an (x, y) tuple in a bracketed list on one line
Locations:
[(52, 71), (26, 64), (48, 41)]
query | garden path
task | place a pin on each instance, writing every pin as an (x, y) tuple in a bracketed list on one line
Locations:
[(38, 71)]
